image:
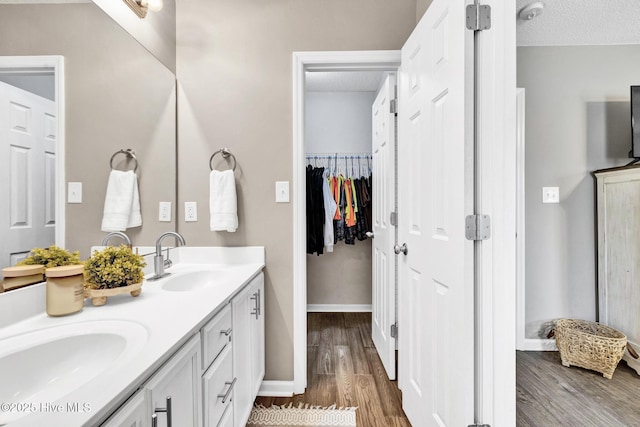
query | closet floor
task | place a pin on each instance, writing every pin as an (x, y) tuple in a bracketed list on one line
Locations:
[(344, 368), (549, 394)]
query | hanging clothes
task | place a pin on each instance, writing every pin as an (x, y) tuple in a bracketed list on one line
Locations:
[(361, 222), (315, 211), (338, 219), (338, 207), (329, 211), (350, 214)]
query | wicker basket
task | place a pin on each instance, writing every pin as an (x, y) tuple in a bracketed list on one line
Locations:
[(590, 345)]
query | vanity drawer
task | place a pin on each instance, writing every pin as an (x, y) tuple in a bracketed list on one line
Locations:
[(215, 336), (217, 388)]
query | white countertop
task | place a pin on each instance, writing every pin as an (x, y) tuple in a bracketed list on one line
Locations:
[(169, 317)]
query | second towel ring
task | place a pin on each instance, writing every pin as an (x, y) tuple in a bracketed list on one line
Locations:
[(129, 153), (225, 154)]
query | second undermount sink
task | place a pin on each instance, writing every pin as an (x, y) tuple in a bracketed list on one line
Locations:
[(195, 280), (46, 364)]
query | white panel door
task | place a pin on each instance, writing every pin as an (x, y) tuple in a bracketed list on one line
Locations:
[(435, 287), (383, 287), (28, 131)]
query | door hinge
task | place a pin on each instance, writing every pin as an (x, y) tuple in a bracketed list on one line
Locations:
[(478, 227), (393, 218), (478, 17), (393, 106), (394, 330), (479, 425)]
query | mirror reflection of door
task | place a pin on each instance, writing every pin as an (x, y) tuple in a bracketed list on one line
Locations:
[(28, 139)]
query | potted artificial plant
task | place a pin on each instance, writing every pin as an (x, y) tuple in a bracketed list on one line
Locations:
[(112, 271), (50, 257)]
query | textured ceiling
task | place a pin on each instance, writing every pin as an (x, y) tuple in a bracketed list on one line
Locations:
[(581, 22), (343, 81)]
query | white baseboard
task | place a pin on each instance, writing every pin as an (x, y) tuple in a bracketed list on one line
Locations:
[(538, 344), (338, 308), (276, 389)]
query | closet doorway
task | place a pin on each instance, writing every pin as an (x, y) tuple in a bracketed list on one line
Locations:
[(350, 150), (342, 280)]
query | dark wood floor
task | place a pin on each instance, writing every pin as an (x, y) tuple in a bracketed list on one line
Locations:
[(549, 394), (344, 368)]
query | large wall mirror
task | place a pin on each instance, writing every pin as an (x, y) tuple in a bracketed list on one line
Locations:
[(117, 95)]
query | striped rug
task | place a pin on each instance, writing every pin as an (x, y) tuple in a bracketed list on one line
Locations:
[(303, 415)]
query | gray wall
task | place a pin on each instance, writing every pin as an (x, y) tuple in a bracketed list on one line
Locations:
[(117, 96), (156, 31), (421, 8), (339, 122), (234, 67), (577, 121), (39, 84)]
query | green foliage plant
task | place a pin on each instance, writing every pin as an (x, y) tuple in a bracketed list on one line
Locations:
[(113, 267), (52, 256)]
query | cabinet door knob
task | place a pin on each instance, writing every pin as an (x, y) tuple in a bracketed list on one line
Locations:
[(225, 396), (226, 332)]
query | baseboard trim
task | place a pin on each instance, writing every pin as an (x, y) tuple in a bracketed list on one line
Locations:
[(338, 308), (533, 344), (276, 389)]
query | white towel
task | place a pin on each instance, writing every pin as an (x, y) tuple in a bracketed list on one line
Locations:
[(122, 202), (223, 202)]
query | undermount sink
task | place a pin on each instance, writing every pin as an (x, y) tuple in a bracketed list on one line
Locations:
[(46, 364), (195, 280)]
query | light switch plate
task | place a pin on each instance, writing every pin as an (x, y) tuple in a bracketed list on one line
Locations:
[(74, 192), (282, 191), (164, 210), (550, 195), (190, 211)]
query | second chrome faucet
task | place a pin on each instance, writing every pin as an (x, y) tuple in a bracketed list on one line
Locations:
[(159, 263)]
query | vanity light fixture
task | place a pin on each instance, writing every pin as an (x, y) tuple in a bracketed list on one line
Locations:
[(140, 7)]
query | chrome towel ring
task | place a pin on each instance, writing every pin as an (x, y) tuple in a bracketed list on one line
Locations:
[(130, 155), (225, 154)]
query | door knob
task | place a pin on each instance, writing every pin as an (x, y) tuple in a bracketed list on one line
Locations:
[(400, 249), (369, 234)]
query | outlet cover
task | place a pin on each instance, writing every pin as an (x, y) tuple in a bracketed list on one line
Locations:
[(190, 211), (164, 210), (550, 195)]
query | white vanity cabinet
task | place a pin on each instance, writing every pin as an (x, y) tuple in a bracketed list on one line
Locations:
[(218, 380), (178, 380), (135, 413), (213, 379), (248, 347), (618, 209)]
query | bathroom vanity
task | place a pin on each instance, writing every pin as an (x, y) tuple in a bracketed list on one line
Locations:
[(189, 348)]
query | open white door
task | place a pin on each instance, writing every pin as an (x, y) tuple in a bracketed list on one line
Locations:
[(384, 276), (436, 262), (27, 172)]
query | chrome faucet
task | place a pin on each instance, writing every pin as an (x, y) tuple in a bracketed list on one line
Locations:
[(159, 263), (113, 234)]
